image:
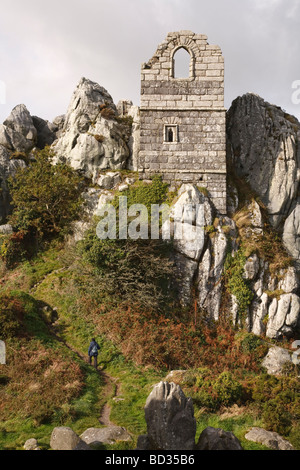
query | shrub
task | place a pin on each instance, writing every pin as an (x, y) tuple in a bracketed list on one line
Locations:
[(45, 197), (214, 392), (107, 112), (99, 137), (227, 389), (136, 272), (276, 417), (151, 339), (16, 247), (45, 200), (250, 342), (145, 193), (11, 316), (294, 436)]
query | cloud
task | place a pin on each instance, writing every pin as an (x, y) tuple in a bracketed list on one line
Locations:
[(46, 47)]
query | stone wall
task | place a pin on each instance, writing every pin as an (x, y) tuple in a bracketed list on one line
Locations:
[(182, 133)]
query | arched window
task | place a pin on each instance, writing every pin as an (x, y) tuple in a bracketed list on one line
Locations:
[(181, 63)]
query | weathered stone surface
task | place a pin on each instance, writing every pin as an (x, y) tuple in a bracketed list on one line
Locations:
[(259, 311), (104, 199), (291, 233), (123, 187), (78, 230), (31, 444), (186, 269), (170, 418), (251, 267), (18, 132), (109, 180), (107, 435), (6, 229), (263, 142), (217, 439), (46, 132), (290, 281), (209, 276), (275, 360), (91, 198), (284, 316), (182, 122), (91, 139), (64, 438), (192, 212), (2, 352), (269, 439), (143, 443), (128, 110), (59, 122)]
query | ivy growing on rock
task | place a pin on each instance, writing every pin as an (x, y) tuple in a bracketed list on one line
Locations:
[(235, 282)]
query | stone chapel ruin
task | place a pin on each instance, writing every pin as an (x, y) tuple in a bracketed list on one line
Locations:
[(182, 120)]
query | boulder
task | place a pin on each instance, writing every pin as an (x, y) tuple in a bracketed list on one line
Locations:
[(170, 418), (91, 138), (6, 229), (109, 180), (106, 435), (217, 439), (283, 316), (64, 438), (123, 187), (31, 444), (276, 359), (268, 439), (143, 443), (17, 133)]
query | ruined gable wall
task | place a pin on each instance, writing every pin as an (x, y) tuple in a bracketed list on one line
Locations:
[(193, 108)]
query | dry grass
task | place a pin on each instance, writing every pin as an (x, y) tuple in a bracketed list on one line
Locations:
[(40, 380)]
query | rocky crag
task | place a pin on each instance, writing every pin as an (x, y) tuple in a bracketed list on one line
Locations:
[(100, 139)]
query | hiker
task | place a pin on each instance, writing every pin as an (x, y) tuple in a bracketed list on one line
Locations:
[(93, 352)]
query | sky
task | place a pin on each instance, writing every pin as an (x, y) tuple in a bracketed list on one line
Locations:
[(46, 47)]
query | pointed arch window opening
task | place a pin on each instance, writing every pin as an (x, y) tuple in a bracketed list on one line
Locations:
[(182, 64)]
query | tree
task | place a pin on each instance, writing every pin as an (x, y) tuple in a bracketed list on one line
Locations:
[(45, 197)]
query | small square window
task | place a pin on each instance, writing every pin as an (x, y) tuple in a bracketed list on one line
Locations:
[(171, 133)]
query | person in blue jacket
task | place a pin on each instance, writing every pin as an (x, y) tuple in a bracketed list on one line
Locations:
[(93, 352)]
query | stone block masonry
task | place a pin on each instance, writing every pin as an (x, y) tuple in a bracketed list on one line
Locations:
[(182, 128)]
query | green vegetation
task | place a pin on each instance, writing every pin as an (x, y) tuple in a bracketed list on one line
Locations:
[(120, 292), (235, 282), (129, 272), (145, 193), (45, 199)]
